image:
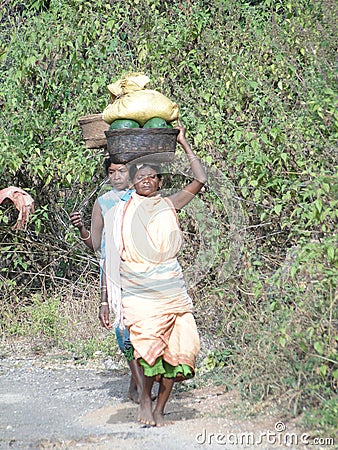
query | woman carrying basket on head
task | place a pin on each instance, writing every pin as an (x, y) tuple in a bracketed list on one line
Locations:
[(155, 306)]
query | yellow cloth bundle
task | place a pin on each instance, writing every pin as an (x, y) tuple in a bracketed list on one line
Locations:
[(131, 100)]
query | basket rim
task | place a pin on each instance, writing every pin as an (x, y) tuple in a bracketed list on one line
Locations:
[(91, 117), (145, 131)]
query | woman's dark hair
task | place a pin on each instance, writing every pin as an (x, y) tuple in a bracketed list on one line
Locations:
[(135, 167), (106, 163)]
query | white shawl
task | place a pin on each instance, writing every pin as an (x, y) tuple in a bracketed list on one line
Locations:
[(113, 225)]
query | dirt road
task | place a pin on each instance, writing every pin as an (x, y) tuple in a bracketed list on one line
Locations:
[(50, 403)]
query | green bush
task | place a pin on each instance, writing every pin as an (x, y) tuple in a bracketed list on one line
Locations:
[(255, 83)]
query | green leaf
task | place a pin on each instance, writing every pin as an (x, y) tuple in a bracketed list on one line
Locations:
[(331, 253), (319, 204), (237, 135), (319, 347), (278, 209), (282, 341), (284, 156), (323, 370)]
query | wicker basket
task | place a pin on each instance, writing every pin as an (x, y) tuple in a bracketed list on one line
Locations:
[(93, 128), (130, 144)]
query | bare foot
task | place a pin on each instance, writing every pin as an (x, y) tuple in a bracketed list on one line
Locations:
[(133, 396), (145, 413), (159, 419)]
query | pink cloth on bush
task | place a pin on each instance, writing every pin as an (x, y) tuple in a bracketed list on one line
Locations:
[(23, 202)]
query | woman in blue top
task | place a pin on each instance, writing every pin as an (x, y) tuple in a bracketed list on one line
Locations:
[(118, 175)]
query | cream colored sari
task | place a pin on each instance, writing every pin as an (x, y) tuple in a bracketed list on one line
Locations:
[(156, 307)]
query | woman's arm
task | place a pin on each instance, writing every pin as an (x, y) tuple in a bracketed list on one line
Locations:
[(104, 307), (183, 197), (96, 226)]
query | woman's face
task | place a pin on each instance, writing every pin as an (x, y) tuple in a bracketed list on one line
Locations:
[(146, 181), (119, 176)]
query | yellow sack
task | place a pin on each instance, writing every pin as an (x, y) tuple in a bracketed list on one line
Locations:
[(130, 100), (129, 83)]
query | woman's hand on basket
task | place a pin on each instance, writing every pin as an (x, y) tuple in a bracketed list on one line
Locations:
[(181, 139)]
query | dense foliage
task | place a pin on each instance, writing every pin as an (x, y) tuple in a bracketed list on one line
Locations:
[(255, 83)]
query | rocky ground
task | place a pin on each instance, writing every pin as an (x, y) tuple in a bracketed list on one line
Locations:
[(52, 402)]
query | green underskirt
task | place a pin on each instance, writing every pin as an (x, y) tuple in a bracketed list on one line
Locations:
[(167, 370), (129, 353)]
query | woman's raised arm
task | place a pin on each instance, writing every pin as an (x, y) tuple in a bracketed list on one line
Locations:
[(183, 197)]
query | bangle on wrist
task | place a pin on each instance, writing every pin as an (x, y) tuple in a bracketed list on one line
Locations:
[(104, 304), (85, 239), (191, 159)]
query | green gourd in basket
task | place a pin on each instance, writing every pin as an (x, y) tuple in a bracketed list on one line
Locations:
[(157, 122), (119, 124)]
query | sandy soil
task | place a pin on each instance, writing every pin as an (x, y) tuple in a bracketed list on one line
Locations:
[(52, 402)]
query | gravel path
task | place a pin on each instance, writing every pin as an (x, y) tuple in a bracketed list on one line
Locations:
[(47, 404)]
